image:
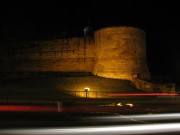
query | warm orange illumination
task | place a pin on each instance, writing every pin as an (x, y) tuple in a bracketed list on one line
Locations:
[(130, 105), (87, 89)]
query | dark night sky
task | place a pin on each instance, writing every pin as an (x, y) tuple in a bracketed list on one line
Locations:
[(26, 19)]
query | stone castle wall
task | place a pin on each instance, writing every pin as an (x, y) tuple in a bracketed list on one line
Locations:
[(64, 55), (121, 53), (114, 52)]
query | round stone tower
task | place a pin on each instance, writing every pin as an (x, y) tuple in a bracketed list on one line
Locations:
[(121, 53)]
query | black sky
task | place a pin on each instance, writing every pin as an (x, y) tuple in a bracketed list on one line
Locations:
[(28, 19), (24, 17)]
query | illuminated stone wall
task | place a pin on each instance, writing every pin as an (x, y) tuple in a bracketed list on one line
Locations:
[(121, 53), (115, 52)]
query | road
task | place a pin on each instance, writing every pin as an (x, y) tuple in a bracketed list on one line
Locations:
[(157, 116)]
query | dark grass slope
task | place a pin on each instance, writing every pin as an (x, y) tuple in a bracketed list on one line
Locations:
[(68, 86)]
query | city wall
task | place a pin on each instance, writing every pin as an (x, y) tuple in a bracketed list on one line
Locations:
[(113, 52)]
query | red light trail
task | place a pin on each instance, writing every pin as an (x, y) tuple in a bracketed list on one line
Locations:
[(141, 94)]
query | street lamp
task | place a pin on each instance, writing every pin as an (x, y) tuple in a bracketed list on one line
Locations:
[(86, 91)]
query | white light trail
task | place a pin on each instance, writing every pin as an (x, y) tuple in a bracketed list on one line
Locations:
[(144, 117), (99, 130)]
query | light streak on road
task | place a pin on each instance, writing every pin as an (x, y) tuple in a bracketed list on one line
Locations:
[(99, 130), (142, 117), (129, 104), (28, 108), (141, 94), (168, 116)]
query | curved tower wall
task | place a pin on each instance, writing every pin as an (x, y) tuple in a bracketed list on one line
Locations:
[(121, 53)]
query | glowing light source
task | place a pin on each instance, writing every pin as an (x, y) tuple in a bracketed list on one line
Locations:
[(129, 104), (87, 89), (119, 104)]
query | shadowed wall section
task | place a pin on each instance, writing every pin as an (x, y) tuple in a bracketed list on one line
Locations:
[(60, 55)]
